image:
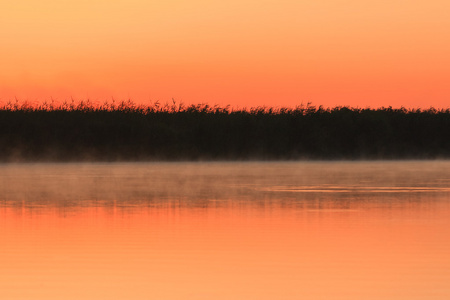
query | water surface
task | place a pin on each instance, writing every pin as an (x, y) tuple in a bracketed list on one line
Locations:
[(291, 230)]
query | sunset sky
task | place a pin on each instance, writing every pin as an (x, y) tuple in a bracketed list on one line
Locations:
[(238, 52)]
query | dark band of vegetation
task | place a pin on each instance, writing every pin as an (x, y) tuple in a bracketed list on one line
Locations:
[(128, 132)]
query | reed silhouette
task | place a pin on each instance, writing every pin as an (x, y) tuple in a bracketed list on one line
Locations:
[(125, 131)]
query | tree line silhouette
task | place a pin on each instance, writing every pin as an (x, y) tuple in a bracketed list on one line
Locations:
[(125, 131)]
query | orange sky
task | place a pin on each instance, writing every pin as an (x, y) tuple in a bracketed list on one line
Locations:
[(238, 52)]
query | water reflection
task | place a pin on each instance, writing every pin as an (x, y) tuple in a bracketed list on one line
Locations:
[(358, 230)]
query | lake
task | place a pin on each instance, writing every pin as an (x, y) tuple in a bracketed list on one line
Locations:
[(225, 230)]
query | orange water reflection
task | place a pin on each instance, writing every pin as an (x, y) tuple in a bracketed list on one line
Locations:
[(321, 247)]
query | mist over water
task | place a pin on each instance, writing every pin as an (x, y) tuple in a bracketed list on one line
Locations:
[(249, 230)]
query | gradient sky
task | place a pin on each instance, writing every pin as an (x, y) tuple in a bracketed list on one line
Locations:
[(238, 52)]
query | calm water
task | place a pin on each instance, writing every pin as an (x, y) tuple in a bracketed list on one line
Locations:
[(340, 230)]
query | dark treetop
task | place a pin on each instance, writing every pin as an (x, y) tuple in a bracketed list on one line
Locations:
[(127, 132)]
